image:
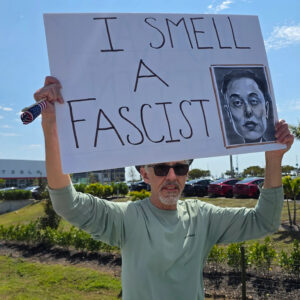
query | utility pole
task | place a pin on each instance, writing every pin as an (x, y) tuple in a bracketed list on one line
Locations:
[(231, 166)]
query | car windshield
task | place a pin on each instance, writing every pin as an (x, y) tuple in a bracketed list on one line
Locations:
[(191, 181), (31, 188), (219, 180), (246, 180)]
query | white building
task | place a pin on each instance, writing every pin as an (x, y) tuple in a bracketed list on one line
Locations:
[(103, 176), (21, 173)]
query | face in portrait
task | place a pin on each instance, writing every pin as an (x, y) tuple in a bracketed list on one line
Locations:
[(246, 105)]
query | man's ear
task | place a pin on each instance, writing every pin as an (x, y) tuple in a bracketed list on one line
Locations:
[(267, 109), (227, 109), (144, 175)]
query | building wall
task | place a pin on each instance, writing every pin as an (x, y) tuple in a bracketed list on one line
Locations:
[(21, 173), (103, 176)]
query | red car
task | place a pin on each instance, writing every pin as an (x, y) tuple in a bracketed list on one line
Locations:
[(248, 187), (222, 187)]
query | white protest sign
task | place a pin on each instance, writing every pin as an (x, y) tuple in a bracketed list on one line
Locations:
[(146, 88)]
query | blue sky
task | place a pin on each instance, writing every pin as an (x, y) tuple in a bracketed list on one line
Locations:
[(24, 62)]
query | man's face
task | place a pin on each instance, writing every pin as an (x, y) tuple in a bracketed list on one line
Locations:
[(165, 190), (248, 108)]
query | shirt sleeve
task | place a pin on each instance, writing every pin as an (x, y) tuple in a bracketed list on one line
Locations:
[(103, 219), (229, 225)]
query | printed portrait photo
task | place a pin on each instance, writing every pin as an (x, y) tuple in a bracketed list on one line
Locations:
[(245, 104)]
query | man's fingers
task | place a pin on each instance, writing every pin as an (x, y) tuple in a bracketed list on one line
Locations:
[(50, 91), (286, 139), (283, 134), (60, 99), (51, 80), (279, 123), (37, 94), (282, 129)]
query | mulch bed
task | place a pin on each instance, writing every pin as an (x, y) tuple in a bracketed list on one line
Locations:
[(220, 282)]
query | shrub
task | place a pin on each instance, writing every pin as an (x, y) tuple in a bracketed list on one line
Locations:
[(234, 256), (32, 233), (291, 263), (262, 255), (123, 188), (217, 255), (16, 195), (80, 239), (65, 238), (80, 187), (51, 218), (135, 195), (95, 189), (107, 191), (45, 195), (120, 188)]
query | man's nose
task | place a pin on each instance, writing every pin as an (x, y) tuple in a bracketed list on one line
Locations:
[(171, 175), (248, 110)]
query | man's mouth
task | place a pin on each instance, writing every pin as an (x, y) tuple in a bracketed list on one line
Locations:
[(250, 125), (170, 187)]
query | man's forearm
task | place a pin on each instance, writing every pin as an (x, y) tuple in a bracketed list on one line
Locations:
[(273, 176), (55, 176)]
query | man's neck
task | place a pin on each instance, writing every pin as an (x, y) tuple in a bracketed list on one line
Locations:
[(157, 203)]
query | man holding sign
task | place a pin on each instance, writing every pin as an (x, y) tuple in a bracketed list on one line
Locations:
[(164, 241)]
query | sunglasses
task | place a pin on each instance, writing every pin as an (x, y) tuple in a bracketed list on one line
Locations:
[(163, 170)]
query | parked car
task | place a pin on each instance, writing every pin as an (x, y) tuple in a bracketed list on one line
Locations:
[(222, 187), (248, 187), (8, 189), (35, 191), (139, 185), (196, 187)]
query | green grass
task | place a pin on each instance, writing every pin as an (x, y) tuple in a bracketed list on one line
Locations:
[(22, 216), (27, 214), (281, 240), (23, 280), (232, 202)]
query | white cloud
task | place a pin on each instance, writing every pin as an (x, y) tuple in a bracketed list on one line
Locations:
[(5, 108), (223, 5), (294, 105), (8, 134), (34, 146), (1, 117), (5, 126), (283, 36), (288, 105)]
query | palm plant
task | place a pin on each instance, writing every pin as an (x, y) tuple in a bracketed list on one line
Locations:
[(291, 191)]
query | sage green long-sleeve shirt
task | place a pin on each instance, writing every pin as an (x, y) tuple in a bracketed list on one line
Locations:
[(163, 252)]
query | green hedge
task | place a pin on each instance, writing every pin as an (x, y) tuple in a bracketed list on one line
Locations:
[(32, 233), (15, 195), (103, 191), (139, 195)]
